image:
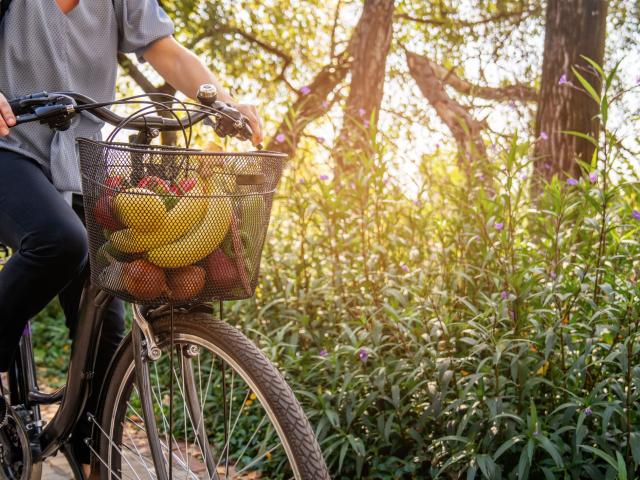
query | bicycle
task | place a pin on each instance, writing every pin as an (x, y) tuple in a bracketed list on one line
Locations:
[(182, 383)]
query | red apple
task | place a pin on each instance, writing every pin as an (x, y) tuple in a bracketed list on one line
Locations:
[(155, 184), (185, 185), (113, 184), (222, 272), (105, 214)]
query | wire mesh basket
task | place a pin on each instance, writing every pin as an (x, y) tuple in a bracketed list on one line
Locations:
[(169, 225)]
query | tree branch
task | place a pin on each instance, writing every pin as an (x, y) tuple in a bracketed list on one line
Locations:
[(519, 14), (308, 107), (518, 92), (464, 128)]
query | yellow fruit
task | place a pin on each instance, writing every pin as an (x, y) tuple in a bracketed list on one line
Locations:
[(200, 241), (179, 220), (140, 209)]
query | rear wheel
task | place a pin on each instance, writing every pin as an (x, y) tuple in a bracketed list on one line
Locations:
[(233, 415)]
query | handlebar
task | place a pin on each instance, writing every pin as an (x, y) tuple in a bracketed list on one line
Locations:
[(56, 109)]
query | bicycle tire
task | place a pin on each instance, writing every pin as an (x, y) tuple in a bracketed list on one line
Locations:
[(268, 385)]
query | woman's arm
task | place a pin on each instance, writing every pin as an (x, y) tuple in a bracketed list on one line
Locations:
[(185, 72)]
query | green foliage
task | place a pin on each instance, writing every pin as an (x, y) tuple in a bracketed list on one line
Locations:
[(463, 329)]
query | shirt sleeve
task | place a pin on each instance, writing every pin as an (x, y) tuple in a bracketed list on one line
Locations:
[(140, 23)]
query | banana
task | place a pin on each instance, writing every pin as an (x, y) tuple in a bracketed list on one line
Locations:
[(202, 239), (189, 210)]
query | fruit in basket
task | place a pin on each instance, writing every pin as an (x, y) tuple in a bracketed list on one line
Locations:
[(184, 186), (108, 252), (105, 215), (156, 184), (186, 282), (113, 184), (222, 272), (214, 168), (161, 187), (201, 240), (253, 217), (143, 280), (179, 220), (140, 209)]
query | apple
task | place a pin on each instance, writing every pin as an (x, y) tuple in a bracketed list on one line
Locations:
[(113, 184), (156, 184), (104, 214), (222, 272)]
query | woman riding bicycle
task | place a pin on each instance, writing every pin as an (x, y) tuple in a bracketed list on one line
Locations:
[(69, 45)]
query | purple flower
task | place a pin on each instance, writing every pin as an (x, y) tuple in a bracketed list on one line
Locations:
[(481, 176), (362, 112), (636, 214), (544, 136), (320, 139), (547, 165), (365, 123), (512, 104), (325, 105), (301, 181), (588, 411), (323, 353), (523, 175), (499, 225), (404, 268), (324, 177), (638, 79), (504, 295), (563, 79), (417, 203), (305, 90), (553, 275), (437, 145), (572, 181), (280, 138), (363, 355), (593, 177)]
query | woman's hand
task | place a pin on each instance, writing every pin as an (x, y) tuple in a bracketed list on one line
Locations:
[(251, 112), (7, 119)]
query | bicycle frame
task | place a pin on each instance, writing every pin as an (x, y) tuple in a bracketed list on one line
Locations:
[(81, 365)]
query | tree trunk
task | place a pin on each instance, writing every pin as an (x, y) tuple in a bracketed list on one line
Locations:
[(573, 28), (370, 49)]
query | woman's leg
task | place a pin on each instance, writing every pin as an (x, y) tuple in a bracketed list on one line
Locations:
[(49, 244)]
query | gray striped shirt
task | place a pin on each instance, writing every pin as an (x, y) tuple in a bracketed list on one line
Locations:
[(41, 48)]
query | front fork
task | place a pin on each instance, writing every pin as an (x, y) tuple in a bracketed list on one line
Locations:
[(146, 350)]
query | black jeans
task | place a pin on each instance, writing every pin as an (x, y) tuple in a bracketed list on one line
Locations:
[(50, 258)]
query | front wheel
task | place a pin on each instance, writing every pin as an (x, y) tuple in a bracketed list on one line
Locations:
[(232, 413)]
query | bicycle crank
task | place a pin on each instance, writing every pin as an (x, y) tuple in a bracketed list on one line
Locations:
[(15, 452)]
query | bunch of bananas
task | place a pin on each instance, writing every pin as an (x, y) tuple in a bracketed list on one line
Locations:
[(182, 236)]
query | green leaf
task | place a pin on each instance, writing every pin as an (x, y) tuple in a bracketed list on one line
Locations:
[(487, 466), (606, 457), (622, 467), (584, 136), (506, 446), (587, 86), (551, 450)]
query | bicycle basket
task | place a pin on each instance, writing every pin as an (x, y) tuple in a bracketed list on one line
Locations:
[(169, 225)]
